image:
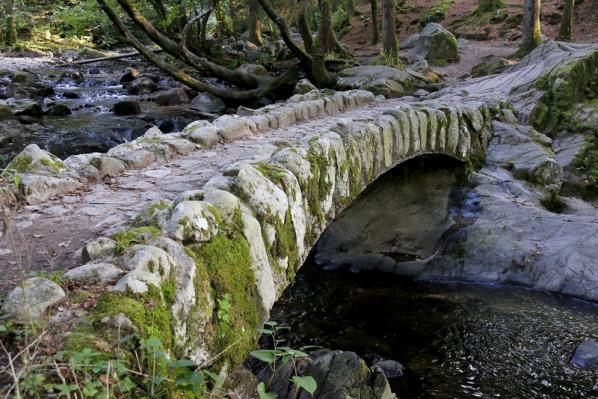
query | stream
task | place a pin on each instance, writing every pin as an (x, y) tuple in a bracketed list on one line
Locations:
[(90, 92), (456, 340)]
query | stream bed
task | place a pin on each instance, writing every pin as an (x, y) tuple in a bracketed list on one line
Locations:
[(456, 340)]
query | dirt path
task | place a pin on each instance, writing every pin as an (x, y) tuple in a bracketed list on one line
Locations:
[(49, 237)]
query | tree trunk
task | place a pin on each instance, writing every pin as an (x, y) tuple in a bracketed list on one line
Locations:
[(303, 25), (350, 8), (325, 34), (567, 22), (255, 25), (531, 27), (223, 27), (159, 9), (375, 25), (391, 44), (11, 23)]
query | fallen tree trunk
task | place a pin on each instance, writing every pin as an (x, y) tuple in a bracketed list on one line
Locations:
[(266, 86), (109, 58)]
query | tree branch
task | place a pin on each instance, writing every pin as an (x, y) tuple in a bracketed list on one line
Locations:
[(304, 58), (225, 93)]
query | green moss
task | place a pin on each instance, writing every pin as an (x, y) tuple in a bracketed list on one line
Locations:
[(437, 12), (149, 312), (227, 261), (85, 337), (54, 165), (553, 203), (274, 173), (137, 235), (318, 186), (285, 244), (587, 160), (564, 87), (20, 164)]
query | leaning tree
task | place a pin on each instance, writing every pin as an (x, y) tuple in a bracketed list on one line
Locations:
[(247, 86)]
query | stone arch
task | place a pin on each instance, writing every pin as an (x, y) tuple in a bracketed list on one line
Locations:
[(247, 231)]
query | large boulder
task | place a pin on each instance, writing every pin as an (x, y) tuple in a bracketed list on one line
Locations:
[(436, 45), (526, 153), (142, 85), (90, 272), (170, 97), (491, 65), (31, 299), (205, 102), (338, 374), (87, 53), (304, 86), (387, 81), (126, 107), (586, 354)]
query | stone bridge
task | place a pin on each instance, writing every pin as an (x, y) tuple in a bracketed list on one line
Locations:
[(229, 226)]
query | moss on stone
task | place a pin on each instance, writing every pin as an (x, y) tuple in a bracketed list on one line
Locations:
[(54, 165), (149, 312), (20, 164), (227, 261), (587, 160), (274, 173), (137, 235), (565, 86), (86, 337), (318, 186)]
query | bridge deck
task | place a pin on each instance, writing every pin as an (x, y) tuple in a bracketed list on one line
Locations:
[(48, 237)]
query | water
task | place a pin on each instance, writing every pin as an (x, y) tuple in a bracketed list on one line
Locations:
[(457, 340), (91, 127)]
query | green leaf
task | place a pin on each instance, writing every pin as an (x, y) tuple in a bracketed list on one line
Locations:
[(265, 355), (263, 394), (306, 382)]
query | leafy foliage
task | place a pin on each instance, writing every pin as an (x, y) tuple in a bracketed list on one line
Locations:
[(280, 355)]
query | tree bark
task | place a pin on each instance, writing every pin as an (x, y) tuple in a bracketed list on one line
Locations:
[(391, 44), (325, 33), (531, 27), (303, 25), (255, 25), (285, 32), (223, 27), (11, 23), (266, 85), (567, 21), (350, 8), (375, 24)]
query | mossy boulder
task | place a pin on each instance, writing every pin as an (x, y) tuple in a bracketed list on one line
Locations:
[(304, 86), (491, 65), (192, 221), (338, 374), (378, 79), (31, 299), (436, 45), (87, 53)]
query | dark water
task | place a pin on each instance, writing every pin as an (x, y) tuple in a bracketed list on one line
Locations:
[(91, 127), (456, 340)]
